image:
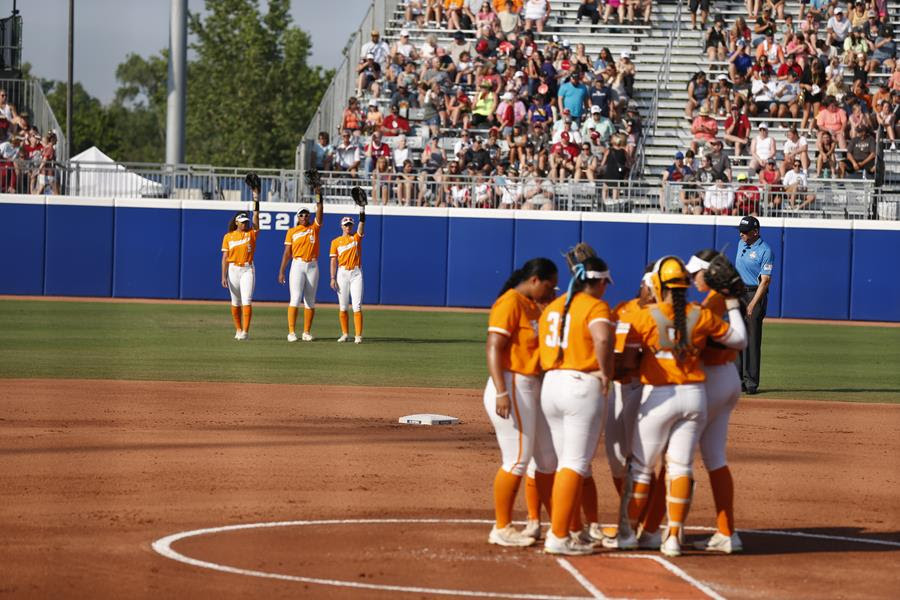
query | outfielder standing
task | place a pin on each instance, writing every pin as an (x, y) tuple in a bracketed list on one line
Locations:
[(512, 393), (238, 272), (346, 271), (302, 243), (576, 347)]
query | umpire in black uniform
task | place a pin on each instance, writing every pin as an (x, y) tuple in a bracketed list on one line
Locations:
[(754, 262)]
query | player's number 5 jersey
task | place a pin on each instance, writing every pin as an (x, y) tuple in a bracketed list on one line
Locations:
[(348, 251), (304, 241), (239, 246)]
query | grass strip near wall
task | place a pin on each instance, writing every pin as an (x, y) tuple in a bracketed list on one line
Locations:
[(184, 342)]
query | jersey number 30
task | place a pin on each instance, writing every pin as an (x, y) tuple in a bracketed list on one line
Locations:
[(552, 339)]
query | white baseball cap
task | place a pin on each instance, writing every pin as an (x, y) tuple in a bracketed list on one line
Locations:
[(595, 109), (242, 218), (404, 33), (507, 96), (346, 220), (625, 54)]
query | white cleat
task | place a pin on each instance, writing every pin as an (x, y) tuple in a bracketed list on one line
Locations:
[(292, 337), (508, 536), (532, 529), (650, 541), (244, 336), (720, 542), (357, 339), (343, 338), (598, 533), (306, 337), (237, 334), (671, 546), (570, 546), (622, 541)]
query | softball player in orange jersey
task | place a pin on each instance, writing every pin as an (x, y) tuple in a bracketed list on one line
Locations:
[(723, 389), (238, 273), (302, 243), (346, 274), (671, 334), (512, 393), (576, 337)]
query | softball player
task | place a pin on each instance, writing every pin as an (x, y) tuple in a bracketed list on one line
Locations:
[(346, 274), (512, 393), (576, 336), (238, 273), (723, 389), (302, 243), (671, 334)]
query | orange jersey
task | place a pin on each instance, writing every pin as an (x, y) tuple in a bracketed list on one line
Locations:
[(347, 250), (574, 336), (304, 241), (239, 246), (623, 311), (659, 366), (714, 353), (516, 317)]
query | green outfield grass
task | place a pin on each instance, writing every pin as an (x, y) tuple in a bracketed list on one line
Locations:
[(184, 342)]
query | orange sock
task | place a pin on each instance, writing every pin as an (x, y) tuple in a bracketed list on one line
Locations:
[(656, 507), (532, 499), (247, 314), (345, 322), (678, 500), (544, 483), (617, 483), (308, 314), (589, 500), (236, 316), (292, 318), (723, 495), (357, 323), (576, 523), (565, 493), (639, 497), (506, 485)]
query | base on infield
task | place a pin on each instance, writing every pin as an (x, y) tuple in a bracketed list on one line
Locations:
[(428, 419)]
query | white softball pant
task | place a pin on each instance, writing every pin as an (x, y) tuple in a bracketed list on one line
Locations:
[(350, 288), (620, 422), (673, 415), (241, 281), (303, 282), (573, 404), (518, 435), (723, 389)]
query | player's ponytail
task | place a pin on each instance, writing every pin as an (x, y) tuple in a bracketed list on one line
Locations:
[(679, 306), (542, 268), (232, 224), (591, 269)]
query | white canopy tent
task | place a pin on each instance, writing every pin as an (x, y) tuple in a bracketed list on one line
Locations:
[(96, 175)]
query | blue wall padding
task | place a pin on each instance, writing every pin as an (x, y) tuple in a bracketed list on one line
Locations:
[(548, 239), (816, 273), (201, 258), (79, 250), (148, 253), (624, 248), (479, 261), (24, 225), (414, 260), (875, 281)]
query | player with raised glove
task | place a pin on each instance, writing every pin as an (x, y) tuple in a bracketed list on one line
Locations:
[(346, 269)]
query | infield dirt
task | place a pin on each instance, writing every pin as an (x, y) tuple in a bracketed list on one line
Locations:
[(94, 471)]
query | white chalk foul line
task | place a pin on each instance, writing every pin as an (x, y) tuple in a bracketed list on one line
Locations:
[(676, 571), (581, 579)]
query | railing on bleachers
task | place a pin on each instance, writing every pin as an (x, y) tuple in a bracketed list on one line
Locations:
[(29, 99)]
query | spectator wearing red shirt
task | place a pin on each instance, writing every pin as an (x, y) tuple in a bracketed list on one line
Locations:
[(737, 130), (394, 124), (789, 64), (746, 198), (704, 129), (562, 158), (376, 149)]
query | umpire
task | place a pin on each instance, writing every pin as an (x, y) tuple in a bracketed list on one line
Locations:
[(754, 263)]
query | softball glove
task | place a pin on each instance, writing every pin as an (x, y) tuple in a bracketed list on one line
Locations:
[(252, 180), (313, 179), (359, 196), (723, 277)]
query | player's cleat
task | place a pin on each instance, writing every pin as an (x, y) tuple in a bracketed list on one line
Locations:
[(357, 339), (237, 334), (671, 546), (720, 542), (532, 529), (569, 546), (650, 541), (306, 337), (509, 536), (292, 337), (244, 336), (598, 532), (343, 338), (622, 541), (583, 537)]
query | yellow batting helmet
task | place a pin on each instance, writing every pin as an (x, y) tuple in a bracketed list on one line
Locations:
[(669, 272)]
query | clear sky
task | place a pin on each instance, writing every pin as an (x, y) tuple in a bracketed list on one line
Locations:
[(106, 31)]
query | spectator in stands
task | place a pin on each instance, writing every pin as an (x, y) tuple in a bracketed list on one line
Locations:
[(832, 119), (716, 40), (753, 7), (485, 101), (508, 14), (352, 119), (537, 191), (453, 10), (573, 95), (375, 149), (697, 91), (507, 187), (704, 129), (676, 175), (536, 13), (770, 181), (772, 50), (8, 112), (826, 161), (884, 50), (368, 75), (764, 102), (838, 28), (374, 118), (348, 154), (887, 121), (813, 84), (719, 162), (787, 96), (718, 199), (414, 13), (378, 48), (795, 149), (46, 171), (562, 158), (703, 6), (853, 45), (626, 71), (477, 156), (644, 7), (506, 113), (381, 180), (737, 130), (762, 148), (796, 189), (765, 25), (586, 163), (860, 154), (859, 15), (394, 123), (746, 198), (819, 9), (434, 8), (588, 9), (719, 99), (599, 124), (400, 153), (9, 154), (323, 153), (405, 186), (739, 62), (857, 117)]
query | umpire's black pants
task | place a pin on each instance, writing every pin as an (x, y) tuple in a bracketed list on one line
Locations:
[(748, 360)]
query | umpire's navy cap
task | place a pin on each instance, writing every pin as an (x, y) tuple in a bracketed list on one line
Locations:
[(748, 224)]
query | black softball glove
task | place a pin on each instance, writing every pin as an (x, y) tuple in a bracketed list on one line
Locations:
[(252, 180), (359, 196), (313, 179), (723, 277)]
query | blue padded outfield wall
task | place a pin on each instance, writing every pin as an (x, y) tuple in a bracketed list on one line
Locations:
[(825, 269)]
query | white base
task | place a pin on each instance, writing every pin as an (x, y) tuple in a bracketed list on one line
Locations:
[(427, 419)]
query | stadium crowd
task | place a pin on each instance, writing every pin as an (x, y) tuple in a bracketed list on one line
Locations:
[(27, 159)]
